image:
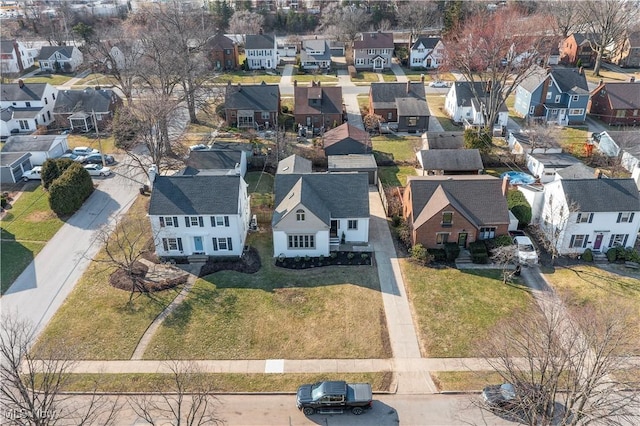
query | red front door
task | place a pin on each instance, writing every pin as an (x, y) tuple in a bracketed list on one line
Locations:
[(598, 243)]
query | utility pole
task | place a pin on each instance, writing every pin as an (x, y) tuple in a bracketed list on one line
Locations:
[(95, 125)]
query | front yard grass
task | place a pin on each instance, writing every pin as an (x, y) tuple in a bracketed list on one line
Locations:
[(572, 140), (464, 381), (436, 107), (25, 229), (395, 175), (327, 312), (96, 320), (97, 79), (370, 77), (247, 77), (52, 79), (457, 309), (107, 143), (587, 285), (415, 75), (227, 382), (397, 148)]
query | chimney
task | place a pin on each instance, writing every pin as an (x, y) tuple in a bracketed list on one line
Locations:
[(153, 172), (632, 79), (598, 174), (295, 83), (600, 82), (505, 185), (319, 83), (239, 87), (408, 86), (20, 83), (548, 69)]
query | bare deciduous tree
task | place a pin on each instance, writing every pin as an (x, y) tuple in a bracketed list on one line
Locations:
[(344, 22), (554, 224), (246, 22), (507, 258), (31, 384), (416, 16), (565, 15), (608, 22), (189, 401), (563, 367)]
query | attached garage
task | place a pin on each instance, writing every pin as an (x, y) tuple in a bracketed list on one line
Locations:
[(13, 165), (363, 163)]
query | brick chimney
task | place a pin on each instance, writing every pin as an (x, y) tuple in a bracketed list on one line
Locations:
[(153, 172), (295, 83)]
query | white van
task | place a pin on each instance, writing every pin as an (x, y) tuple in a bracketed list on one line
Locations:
[(526, 251)]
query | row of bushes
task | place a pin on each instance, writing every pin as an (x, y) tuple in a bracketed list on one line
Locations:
[(615, 254)]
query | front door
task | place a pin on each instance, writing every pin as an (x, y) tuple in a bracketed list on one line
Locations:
[(562, 115), (378, 64), (197, 244), (333, 232), (428, 62), (598, 242), (462, 239)]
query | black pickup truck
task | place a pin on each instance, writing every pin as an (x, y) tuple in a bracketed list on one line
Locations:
[(334, 397)]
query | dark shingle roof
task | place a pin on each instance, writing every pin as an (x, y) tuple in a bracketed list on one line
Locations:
[(47, 51), (30, 143), (28, 91), (294, 164), (623, 95), (412, 107), (570, 80), (195, 195), (577, 171), (451, 159), (86, 100), (427, 42), (6, 46), (351, 162), (259, 97), (559, 160), (374, 41), (220, 41), (479, 198), (330, 100), (260, 41), (602, 195), (465, 96), (214, 159), (8, 159), (326, 195), (346, 131), (384, 95), (442, 140)]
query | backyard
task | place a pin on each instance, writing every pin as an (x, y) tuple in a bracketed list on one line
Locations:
[(399, 149), (436, 107)]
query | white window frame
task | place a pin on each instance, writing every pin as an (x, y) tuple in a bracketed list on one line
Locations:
[(487, 232), (168, 221), (266, 115), (618, 240), (352, 224), (576, 111), (583, 238), (301, 241), (549, 94), (360, 61), (584, 217), (442, 238), (575, 98), (194, 221), (558, 97), (624, 217)]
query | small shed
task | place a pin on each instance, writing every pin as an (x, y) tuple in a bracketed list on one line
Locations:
[(13, 165), (363, 163)]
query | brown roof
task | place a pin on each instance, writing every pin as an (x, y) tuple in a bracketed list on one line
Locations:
[(374, 41), (623, 95), (220, 41), (330, 100), (343, 132)]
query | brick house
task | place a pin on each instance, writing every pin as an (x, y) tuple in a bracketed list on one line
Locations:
[(577, 47), (627, 54), (616, 103), (317, 107), (253, 106), (222, 53), (462, 209)]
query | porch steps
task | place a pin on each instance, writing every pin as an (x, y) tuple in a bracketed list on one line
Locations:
[(464, 258), (198, 258), (600, 258)]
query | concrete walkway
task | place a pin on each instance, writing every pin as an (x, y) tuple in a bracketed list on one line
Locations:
[(399, 72)]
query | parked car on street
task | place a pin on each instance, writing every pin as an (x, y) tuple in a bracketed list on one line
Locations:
[(526, 251), (198, 147), (97, 159), (97, 170), (439, 84), (334, 397), (84, 150), (33, 174), (525, 398), (74, 157)]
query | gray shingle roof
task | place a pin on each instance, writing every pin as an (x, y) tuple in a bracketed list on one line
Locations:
[(427, 42), (623, 95), (195, 195), (258, 97), (6, 46), (28, 92), (260, 41), (344, 132), (351, 162), (602, 195), (214, 159), (533, 80), (86, 100), (570, 80), (577, 171), (8, 159), (443, 140), (465, 96), (384, 95), (451, 159), (327, 195), (47, 51), (30, 143), (561, 159), (294, 164), (412, 107), (479, 197), (375, 40)]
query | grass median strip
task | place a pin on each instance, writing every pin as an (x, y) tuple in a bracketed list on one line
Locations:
[(464, 381)]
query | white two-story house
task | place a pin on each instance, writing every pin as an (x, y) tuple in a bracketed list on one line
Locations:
[(25, 106), (60, 58), (261, 51), (15, 57), (316, 212), (576, 214), (427, 52), (373, 51), (465, 104), (199, 215)]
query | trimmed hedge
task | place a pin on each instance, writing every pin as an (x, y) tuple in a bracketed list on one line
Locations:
[(623, 254), (519, 206), (439, 255), (52, 169), (587, 256), (68, 192), (451, 250), (478, 251)]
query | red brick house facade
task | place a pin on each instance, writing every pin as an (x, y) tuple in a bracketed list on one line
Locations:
[(616, 103)]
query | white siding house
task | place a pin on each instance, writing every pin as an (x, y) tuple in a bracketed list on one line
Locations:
[(25, 106), (199, 215), (262, 52), (463, 107), (427, 52), (60, 58)]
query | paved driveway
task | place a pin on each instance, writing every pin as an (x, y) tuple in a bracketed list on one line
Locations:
[(44, 285)]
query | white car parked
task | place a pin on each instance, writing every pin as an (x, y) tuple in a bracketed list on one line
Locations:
[(438, 83), (526, 251), (84, 150), (33, 174), (97, 170)]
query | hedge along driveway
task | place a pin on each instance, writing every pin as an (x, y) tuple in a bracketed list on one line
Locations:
[(327, 312)]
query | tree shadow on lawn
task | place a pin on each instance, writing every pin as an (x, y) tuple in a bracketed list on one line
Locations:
[(607, 282), (496, 274)]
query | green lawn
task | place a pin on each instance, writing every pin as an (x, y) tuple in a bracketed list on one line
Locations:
[(53, 79), (97, 80), (415, 75), (395, 175), (277, 313), (247, 77), (260, 188), (436, 107), (396, 148), (104, 144), (456, 310), (96, 319), (587, 285), (371, 77), (464, 381), (380, 382), (25, 229), (573, 139), (308, 78)]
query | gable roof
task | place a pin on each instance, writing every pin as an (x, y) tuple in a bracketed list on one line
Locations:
[(570, 80), (47, 51), (535, 78), (581, 38), (86, 100), (220, 42), (634, 39), (10, 159), (214, 159), (427, 42), (622, 95), (557, 160), (577, 171), (315, 44), (412, 107), (344, 132), (330, 99), (260, 41), (374, 40), (257, 97), (351, 162), (602, 195), (479, 198), (28, 91), (294, 164), (451, 159), (442, 140), (466, 98), (326, 195), (31, 143), (7, 46), (194, 195), (384, 95), (524, 139)]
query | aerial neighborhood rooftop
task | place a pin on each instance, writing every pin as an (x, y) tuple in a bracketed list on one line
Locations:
[(387, 200)]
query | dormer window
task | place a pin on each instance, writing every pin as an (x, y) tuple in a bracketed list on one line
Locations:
[(300, 215)]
